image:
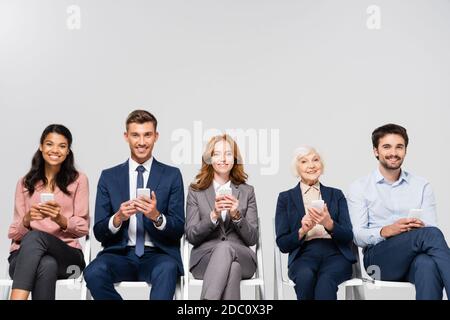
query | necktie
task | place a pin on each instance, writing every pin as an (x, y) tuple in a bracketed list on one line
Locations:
[(140, 235)]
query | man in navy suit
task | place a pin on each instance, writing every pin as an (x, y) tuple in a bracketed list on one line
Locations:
[(140, 234)]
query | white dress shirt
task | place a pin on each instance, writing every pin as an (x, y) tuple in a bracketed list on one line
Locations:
[(132, 165)]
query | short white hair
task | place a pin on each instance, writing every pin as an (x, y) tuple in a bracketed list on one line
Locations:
[(299, 153)]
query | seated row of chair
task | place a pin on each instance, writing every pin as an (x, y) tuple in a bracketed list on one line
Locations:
[(140, 220), (354, 288)]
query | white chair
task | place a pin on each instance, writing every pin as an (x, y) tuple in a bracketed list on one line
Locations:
[(143, 284), (379, 283), (354, 289), (76, 283), (256, 281)]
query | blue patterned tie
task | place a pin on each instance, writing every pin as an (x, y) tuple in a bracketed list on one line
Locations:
[(140, 235)]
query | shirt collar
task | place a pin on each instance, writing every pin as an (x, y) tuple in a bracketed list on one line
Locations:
[(217, 186), (378, 176), (147, 164), (404, 176), (305, 188)]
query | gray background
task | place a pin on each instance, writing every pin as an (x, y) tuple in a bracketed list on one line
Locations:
[(311, 69)]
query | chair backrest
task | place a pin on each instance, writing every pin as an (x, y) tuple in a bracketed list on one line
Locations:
[(280, 260), (358, 267), (259, 255), (87, 249)]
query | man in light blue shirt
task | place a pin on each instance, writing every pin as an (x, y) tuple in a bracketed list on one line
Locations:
[(394, 219)]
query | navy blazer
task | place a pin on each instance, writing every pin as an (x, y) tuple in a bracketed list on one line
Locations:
[(114, 188), (290, 211)]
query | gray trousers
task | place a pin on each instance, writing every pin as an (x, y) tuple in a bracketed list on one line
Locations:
[(42, 259), (222, 271)]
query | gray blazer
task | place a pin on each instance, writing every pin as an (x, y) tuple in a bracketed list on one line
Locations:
[(204, 235)]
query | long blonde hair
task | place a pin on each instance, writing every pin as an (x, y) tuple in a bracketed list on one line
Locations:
[(206, 175)]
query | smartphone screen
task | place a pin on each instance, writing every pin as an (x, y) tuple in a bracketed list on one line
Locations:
[(45, 197), (142, 192)]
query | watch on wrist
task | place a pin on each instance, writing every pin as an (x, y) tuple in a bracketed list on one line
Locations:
[(159, 220)]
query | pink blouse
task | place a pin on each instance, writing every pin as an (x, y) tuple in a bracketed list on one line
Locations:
[(74, 207)]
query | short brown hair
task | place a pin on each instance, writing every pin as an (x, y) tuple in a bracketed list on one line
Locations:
[(141, 116), (390, 128)]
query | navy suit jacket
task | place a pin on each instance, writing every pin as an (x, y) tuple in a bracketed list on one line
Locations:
[(114, 188), (290, 211)]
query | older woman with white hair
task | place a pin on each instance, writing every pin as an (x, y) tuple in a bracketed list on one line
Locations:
[(313, 226)]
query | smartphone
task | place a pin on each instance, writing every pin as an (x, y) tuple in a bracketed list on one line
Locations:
[(318, 204), (415, 213), (45, 197), (143, 192), (224, 192)]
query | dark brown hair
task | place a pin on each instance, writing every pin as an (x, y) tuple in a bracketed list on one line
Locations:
[(390, 128), (67, 173)]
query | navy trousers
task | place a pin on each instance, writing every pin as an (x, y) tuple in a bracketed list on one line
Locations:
[(318, 269), (420, 256), (155, 267)]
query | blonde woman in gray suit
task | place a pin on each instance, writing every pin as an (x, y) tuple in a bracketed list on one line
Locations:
[(221, 222)]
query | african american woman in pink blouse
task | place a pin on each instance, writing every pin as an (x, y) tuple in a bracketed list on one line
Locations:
[(51, 213)]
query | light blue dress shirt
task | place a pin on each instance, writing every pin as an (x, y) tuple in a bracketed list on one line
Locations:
[(374, 203)]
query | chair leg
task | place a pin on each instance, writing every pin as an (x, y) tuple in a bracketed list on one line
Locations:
[(277, 276), (84, 291), (355, 293), (275, 285), (186, 287), (359, 292), (6, 291), (88, 295), (178, 292), (349, 293)]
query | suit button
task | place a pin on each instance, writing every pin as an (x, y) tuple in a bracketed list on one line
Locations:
[(223, 238)]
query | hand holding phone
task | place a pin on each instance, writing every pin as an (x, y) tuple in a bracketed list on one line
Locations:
[(46, 197), (143, 201), (221, 202), (143, 192), (415, 213), (318, 205), (224, 192)]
